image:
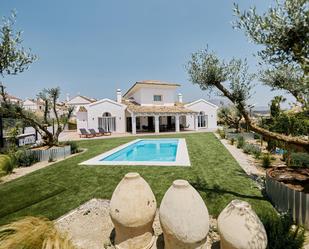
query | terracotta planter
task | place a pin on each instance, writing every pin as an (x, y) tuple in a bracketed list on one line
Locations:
[(184, 217), (240, 227), (132, 210)]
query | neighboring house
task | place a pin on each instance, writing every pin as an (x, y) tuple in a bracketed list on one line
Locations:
[(12, 99), (148, 106), (79, 101), (35, 105)]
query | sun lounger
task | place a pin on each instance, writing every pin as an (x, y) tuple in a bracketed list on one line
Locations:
[(84, 133), (104, 132), (94, 133)]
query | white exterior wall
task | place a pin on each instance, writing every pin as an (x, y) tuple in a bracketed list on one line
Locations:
[(77, 102), (82, 120), (209, 110), (30, 105), (96, 110), (144, 96)]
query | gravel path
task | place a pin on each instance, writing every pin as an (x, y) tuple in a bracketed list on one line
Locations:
[(245, 161), (90, 226)]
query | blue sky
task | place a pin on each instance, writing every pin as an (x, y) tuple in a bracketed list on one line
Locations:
[(94, 47)]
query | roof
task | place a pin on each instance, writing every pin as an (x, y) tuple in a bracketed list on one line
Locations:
[(82, 109), (137, 108), (201, 100), (151, 82), (91, 100)]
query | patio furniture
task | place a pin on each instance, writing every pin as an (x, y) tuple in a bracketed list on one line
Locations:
[(95, 134), (84, 133), (104, 132)]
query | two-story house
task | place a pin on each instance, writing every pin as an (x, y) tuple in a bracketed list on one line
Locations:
[(148, 106)]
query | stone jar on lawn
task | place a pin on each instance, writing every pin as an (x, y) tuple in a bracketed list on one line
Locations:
[(184, 217), (132, 210), (240, 227)]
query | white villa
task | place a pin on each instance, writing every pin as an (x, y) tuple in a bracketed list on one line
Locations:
[(78, 101), (148, 106)]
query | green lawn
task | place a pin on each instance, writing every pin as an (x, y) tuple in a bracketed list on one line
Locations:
[(57, 189)]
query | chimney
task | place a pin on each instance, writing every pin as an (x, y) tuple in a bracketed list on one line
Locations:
[(179, 97), (119, 97)]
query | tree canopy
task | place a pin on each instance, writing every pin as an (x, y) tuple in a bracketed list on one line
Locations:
[(14, 58), (284, 35)]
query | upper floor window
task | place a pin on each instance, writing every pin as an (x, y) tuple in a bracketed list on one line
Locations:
[(157, 97)]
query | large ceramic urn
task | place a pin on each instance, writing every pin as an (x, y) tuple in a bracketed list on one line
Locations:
[(132, 210), (184, 217), (240, 227)]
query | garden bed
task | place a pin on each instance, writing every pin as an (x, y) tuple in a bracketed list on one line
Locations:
[(288, 190)]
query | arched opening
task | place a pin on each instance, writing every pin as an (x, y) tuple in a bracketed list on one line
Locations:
[(107, 122), (202, 119)]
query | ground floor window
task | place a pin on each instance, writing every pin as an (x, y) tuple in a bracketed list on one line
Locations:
[(108, 123), (202, 120)]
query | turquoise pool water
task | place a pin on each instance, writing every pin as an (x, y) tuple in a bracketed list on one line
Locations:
[(147, 150)]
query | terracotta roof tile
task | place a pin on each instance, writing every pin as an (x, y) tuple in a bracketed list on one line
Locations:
[(136, 108)]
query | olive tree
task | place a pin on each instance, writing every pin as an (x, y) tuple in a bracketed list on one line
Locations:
[(14, 58), (283, 33), (41, 124)]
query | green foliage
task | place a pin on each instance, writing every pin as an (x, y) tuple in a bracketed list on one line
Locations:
[(295, 124), (300, 159), (206, 70), (74, 146), (252, 149), (14, 58), (240, 142), (222, 133), (6, 164), (271, 145), (230, 117), (283, 33), (275, 109), (256, 136), (281, 234), (266, 160), (25, 158), (232, 140)]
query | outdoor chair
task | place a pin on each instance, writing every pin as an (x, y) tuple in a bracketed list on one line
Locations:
[(94, 133), (84, 133), (104, 132)]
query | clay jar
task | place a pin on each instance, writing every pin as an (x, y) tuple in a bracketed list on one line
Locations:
[(132, 210), (240, 227), (184, 217)]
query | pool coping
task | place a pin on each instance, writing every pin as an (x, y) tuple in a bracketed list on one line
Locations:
[(182, 156)]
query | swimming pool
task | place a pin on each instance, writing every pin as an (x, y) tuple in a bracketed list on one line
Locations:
[(161, 152)]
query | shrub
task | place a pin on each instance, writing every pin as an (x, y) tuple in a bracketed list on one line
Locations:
[(222, 133), (7, 164), (252, 149), (271, 145), (266, 160), (74, 146), (240, 142), (300, 159), (232, 141), (25, 158), (256, 136), (280, 232), (32, 232)]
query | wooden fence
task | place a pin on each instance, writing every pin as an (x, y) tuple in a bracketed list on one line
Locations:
[(286, 199), (53, 153)]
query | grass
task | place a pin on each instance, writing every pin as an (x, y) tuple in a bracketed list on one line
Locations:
[(57, 189)]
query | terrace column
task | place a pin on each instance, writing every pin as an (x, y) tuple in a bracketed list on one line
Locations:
[(177, 125), (157, 124), (196, 122), (133, 124)]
